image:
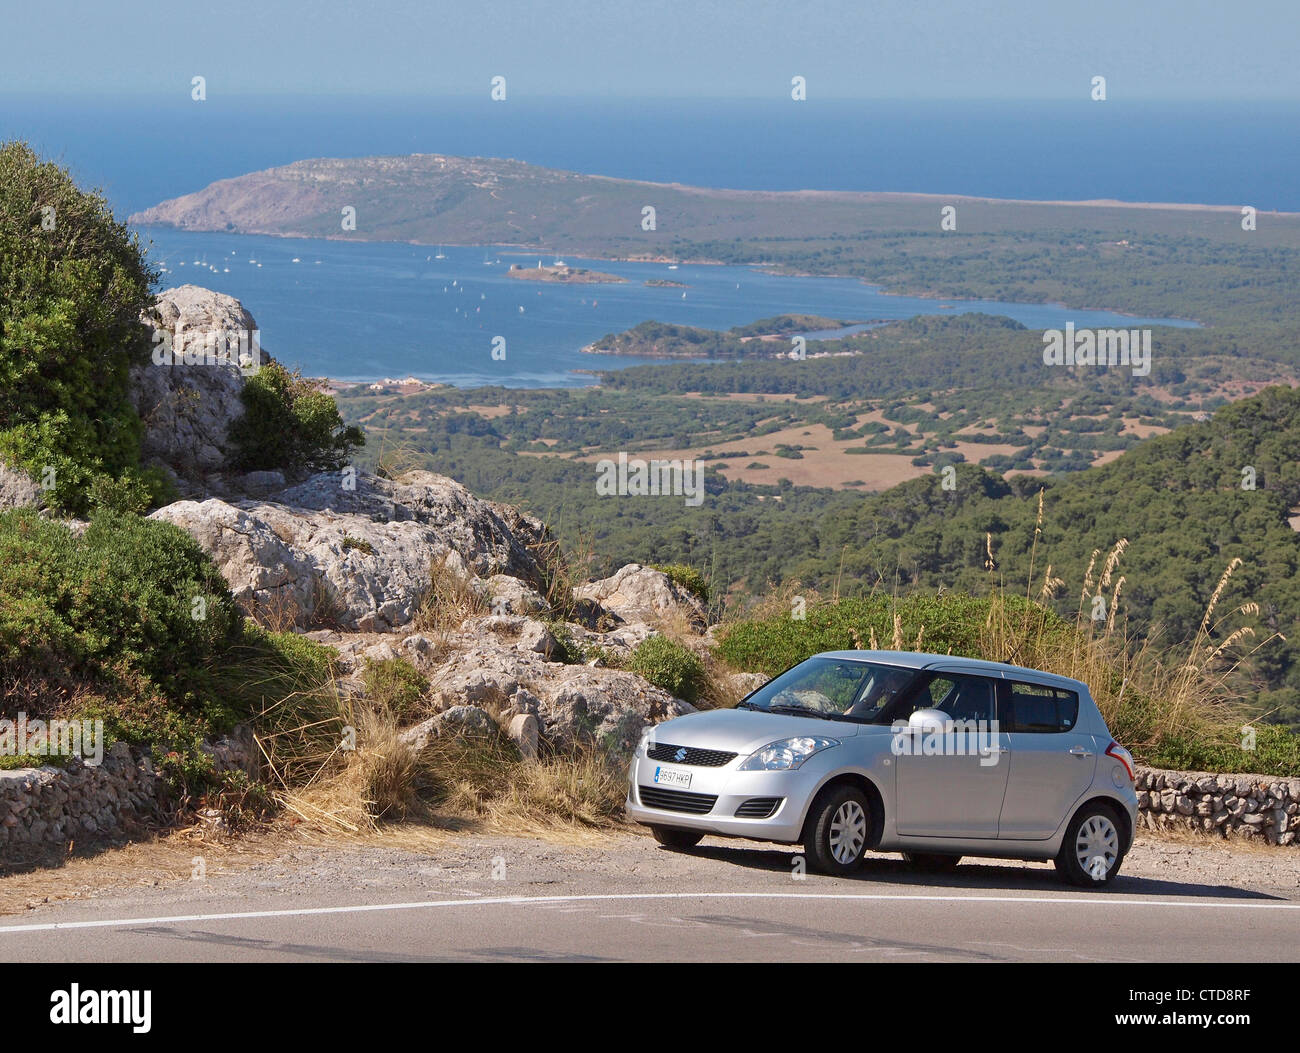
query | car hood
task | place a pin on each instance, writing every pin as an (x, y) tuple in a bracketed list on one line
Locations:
[(743, 731)]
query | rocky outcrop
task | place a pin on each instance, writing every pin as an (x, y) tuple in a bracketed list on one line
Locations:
[(641, 594), (357, 553), (188, 400)]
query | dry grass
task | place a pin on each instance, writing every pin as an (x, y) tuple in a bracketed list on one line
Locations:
[(449, 601), (396, 457), (1145, 689), (489, 782), (562, 572), (377, 782)]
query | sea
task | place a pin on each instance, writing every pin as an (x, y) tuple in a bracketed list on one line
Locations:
[(365, 311)]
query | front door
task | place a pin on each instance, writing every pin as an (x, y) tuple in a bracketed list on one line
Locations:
[(952, 784)]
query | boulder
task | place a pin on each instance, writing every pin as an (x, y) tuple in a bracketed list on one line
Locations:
[(572, 703), (642, 594), (463, 721), (187, 410)]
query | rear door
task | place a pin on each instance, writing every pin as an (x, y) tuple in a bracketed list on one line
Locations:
[(1051, 764), (952, 785)]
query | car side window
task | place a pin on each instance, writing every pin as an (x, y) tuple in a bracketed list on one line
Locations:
[(1039, 709), (961, 697)]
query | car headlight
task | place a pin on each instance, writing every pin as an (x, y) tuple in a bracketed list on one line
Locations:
[(643, 743), (786, 754)]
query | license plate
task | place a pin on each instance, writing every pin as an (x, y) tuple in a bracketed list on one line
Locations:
[(672, 777)]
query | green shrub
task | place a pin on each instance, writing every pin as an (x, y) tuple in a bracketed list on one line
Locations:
[(948, 624), (128, 594), (135, 491), (394, 685), (289, 424), (1276, 752), (669, 665), (70, 304), (687, 577)]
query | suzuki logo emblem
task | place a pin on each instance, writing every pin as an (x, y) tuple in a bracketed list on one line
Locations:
[(680, 755)]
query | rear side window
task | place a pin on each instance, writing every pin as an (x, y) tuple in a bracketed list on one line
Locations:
[(1044, 710)]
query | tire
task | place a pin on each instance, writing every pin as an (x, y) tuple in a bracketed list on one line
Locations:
[(675, 838), (932, 862), (1092, 850), (837, 830)]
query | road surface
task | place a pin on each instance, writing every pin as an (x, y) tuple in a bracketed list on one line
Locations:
[(623, 898)]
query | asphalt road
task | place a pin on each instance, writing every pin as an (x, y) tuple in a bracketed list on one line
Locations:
[(492, 899)]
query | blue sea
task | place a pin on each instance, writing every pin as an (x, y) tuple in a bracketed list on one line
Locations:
[(367, 311), (360, 311)]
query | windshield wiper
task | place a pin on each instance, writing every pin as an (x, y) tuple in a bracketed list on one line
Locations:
[(798, 711)]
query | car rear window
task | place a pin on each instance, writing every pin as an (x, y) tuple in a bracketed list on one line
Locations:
[(1045, 710)]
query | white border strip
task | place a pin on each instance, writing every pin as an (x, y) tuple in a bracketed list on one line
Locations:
[(1100, 900)]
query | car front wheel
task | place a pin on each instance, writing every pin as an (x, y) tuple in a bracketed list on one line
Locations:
[(1091, 853), (672, 837), (837, 831)]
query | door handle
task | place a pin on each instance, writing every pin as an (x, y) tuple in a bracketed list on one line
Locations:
[(1080, 751)]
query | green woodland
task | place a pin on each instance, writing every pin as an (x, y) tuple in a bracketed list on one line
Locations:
[(1177, 499)]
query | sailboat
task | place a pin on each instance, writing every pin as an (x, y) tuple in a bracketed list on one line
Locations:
[(441, 255)]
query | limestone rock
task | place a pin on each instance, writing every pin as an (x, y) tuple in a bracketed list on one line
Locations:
[(642, 594), (360, 559), (187, 410)]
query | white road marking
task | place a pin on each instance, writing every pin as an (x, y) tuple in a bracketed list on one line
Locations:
[(518, 901)]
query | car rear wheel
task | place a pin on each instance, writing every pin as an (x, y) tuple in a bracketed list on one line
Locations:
[(932, 862), (837, 831), (1091, 852), (673, 837)]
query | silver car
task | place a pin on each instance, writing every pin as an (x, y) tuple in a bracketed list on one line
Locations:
[(929, 755)]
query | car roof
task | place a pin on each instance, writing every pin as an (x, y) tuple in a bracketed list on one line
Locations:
[(957, 664)]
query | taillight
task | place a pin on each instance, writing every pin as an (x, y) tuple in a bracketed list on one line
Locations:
[(1119, 753)]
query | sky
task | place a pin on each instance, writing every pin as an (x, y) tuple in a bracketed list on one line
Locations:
[(1189, 50)]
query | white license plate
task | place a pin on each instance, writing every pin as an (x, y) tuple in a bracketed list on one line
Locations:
[(672, 777)]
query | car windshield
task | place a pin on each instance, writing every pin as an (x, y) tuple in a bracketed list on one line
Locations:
[(834, 689)]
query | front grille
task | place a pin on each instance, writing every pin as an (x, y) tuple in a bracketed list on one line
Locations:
[(693, 757), (758, 807), (677, 800)]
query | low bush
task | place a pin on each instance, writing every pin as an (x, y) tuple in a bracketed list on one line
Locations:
[(687, 577), (289, 424), (669, 665), (394, 685)]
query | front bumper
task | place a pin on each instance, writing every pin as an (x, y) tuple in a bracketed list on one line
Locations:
[(732, 788)]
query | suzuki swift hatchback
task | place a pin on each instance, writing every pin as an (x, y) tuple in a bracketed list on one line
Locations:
[(929, 755)]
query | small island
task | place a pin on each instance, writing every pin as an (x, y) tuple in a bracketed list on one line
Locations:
[(766, 338), (665, 283), (563, 274)]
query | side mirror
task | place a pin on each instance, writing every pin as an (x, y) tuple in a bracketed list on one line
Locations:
[(925, 721)]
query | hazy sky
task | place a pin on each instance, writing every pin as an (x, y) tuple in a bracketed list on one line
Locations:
[(1033, 49)]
